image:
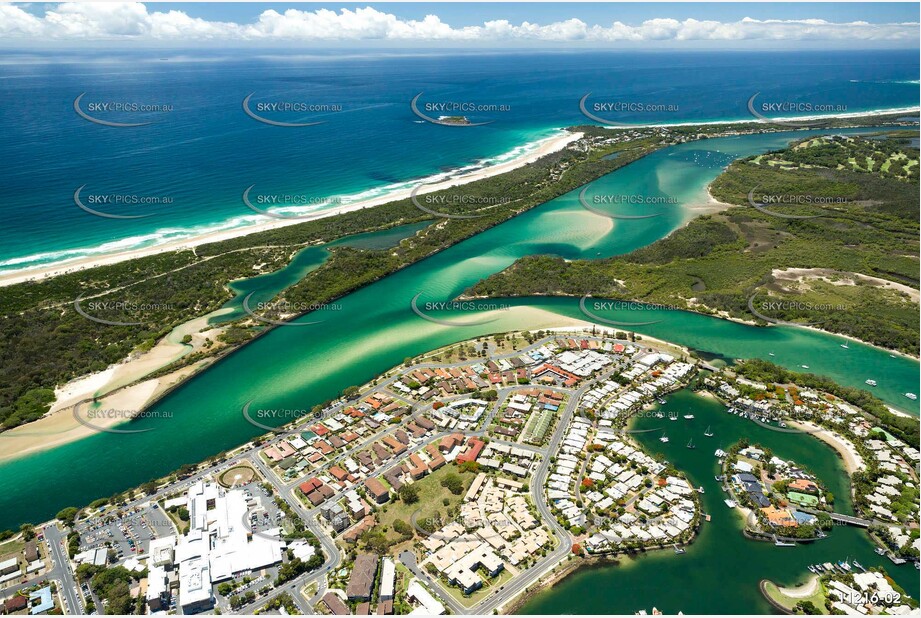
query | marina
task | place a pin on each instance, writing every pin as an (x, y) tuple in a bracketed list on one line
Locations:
[(720, 547)]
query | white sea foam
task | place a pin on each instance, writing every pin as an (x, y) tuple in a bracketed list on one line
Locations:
[(172, 234)]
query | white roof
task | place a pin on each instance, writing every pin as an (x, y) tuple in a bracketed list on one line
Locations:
[(388, 578), (430, 605)]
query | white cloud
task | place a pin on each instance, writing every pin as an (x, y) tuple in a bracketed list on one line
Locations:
[(134, 21)]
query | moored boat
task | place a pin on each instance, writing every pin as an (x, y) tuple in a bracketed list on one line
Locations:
[(779, 543)]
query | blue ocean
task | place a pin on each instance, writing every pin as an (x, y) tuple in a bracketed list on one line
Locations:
[(183, 171)]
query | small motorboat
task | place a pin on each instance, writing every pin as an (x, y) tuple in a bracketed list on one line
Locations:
[(870, 382), (911, 396), (779, 543), (688, 416)]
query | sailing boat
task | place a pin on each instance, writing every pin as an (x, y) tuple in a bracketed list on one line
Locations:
[(709, 432), (673, 416), (664, 438), (691, 443)]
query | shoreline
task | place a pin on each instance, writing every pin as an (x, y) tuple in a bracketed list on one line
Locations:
[(534, 151), (538, 148), (850, 458), (123, 385), (108, 385), (127, 388), (753, 120)]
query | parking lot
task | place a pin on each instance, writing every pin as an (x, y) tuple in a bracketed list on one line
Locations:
[(128, 533), (263, 514)]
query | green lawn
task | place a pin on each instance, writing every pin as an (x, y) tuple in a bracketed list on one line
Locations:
[(431, 497), (11, 548), (789, 602)]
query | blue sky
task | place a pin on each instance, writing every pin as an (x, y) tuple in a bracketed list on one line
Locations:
[(550, 25)]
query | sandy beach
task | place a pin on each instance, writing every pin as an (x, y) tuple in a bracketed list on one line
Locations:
[(541, 148), (61, 427), (803, 590), (116, 387), (712, 206), (790, 119), (851, 458)]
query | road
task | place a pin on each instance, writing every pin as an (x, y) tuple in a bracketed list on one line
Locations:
[(286, 491), (538, 495), (56, 541)]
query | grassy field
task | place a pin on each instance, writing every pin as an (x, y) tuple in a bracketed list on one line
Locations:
[(238, 475), (11, 548), (431, 501)]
